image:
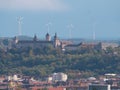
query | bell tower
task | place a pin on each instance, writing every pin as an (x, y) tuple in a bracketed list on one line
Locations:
[(48, 37), (15, 40), (35, 38), (56, 41)]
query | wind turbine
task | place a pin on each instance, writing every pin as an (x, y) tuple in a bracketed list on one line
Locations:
[(19, 20), (70, 27), (48, 26), (94, 34)]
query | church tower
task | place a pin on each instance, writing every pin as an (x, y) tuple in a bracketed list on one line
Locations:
[(35, 38), (48, 37), (56, 41), (15, 39)]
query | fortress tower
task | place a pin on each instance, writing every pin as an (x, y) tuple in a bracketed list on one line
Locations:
[(56, 41), (15, 39), (48, 38), (35, 38)]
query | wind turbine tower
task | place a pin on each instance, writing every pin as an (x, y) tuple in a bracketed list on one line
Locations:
[(94, 34), (70, 27), (19, 19), (48, 26)]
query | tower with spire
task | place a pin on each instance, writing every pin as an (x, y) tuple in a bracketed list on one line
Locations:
[(35, 38), (15, 39), (56, 41), (48, 38)]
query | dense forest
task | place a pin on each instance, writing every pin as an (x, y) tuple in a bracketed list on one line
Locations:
[(40, 62)]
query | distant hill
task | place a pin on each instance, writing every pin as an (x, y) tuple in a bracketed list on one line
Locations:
[(25, 37), (22, 37), (6, 41)]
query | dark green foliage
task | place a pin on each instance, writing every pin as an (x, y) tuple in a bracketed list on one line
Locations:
[(40, 62)]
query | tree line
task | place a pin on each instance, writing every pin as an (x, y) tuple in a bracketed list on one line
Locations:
[(40, 62)]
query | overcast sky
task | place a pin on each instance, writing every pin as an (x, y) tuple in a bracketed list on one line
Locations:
[(67, 18)]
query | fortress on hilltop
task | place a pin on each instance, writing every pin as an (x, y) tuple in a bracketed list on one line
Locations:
[(36, 43), (54, 42)]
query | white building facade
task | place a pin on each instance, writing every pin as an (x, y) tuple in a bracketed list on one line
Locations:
[(59, 77)]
